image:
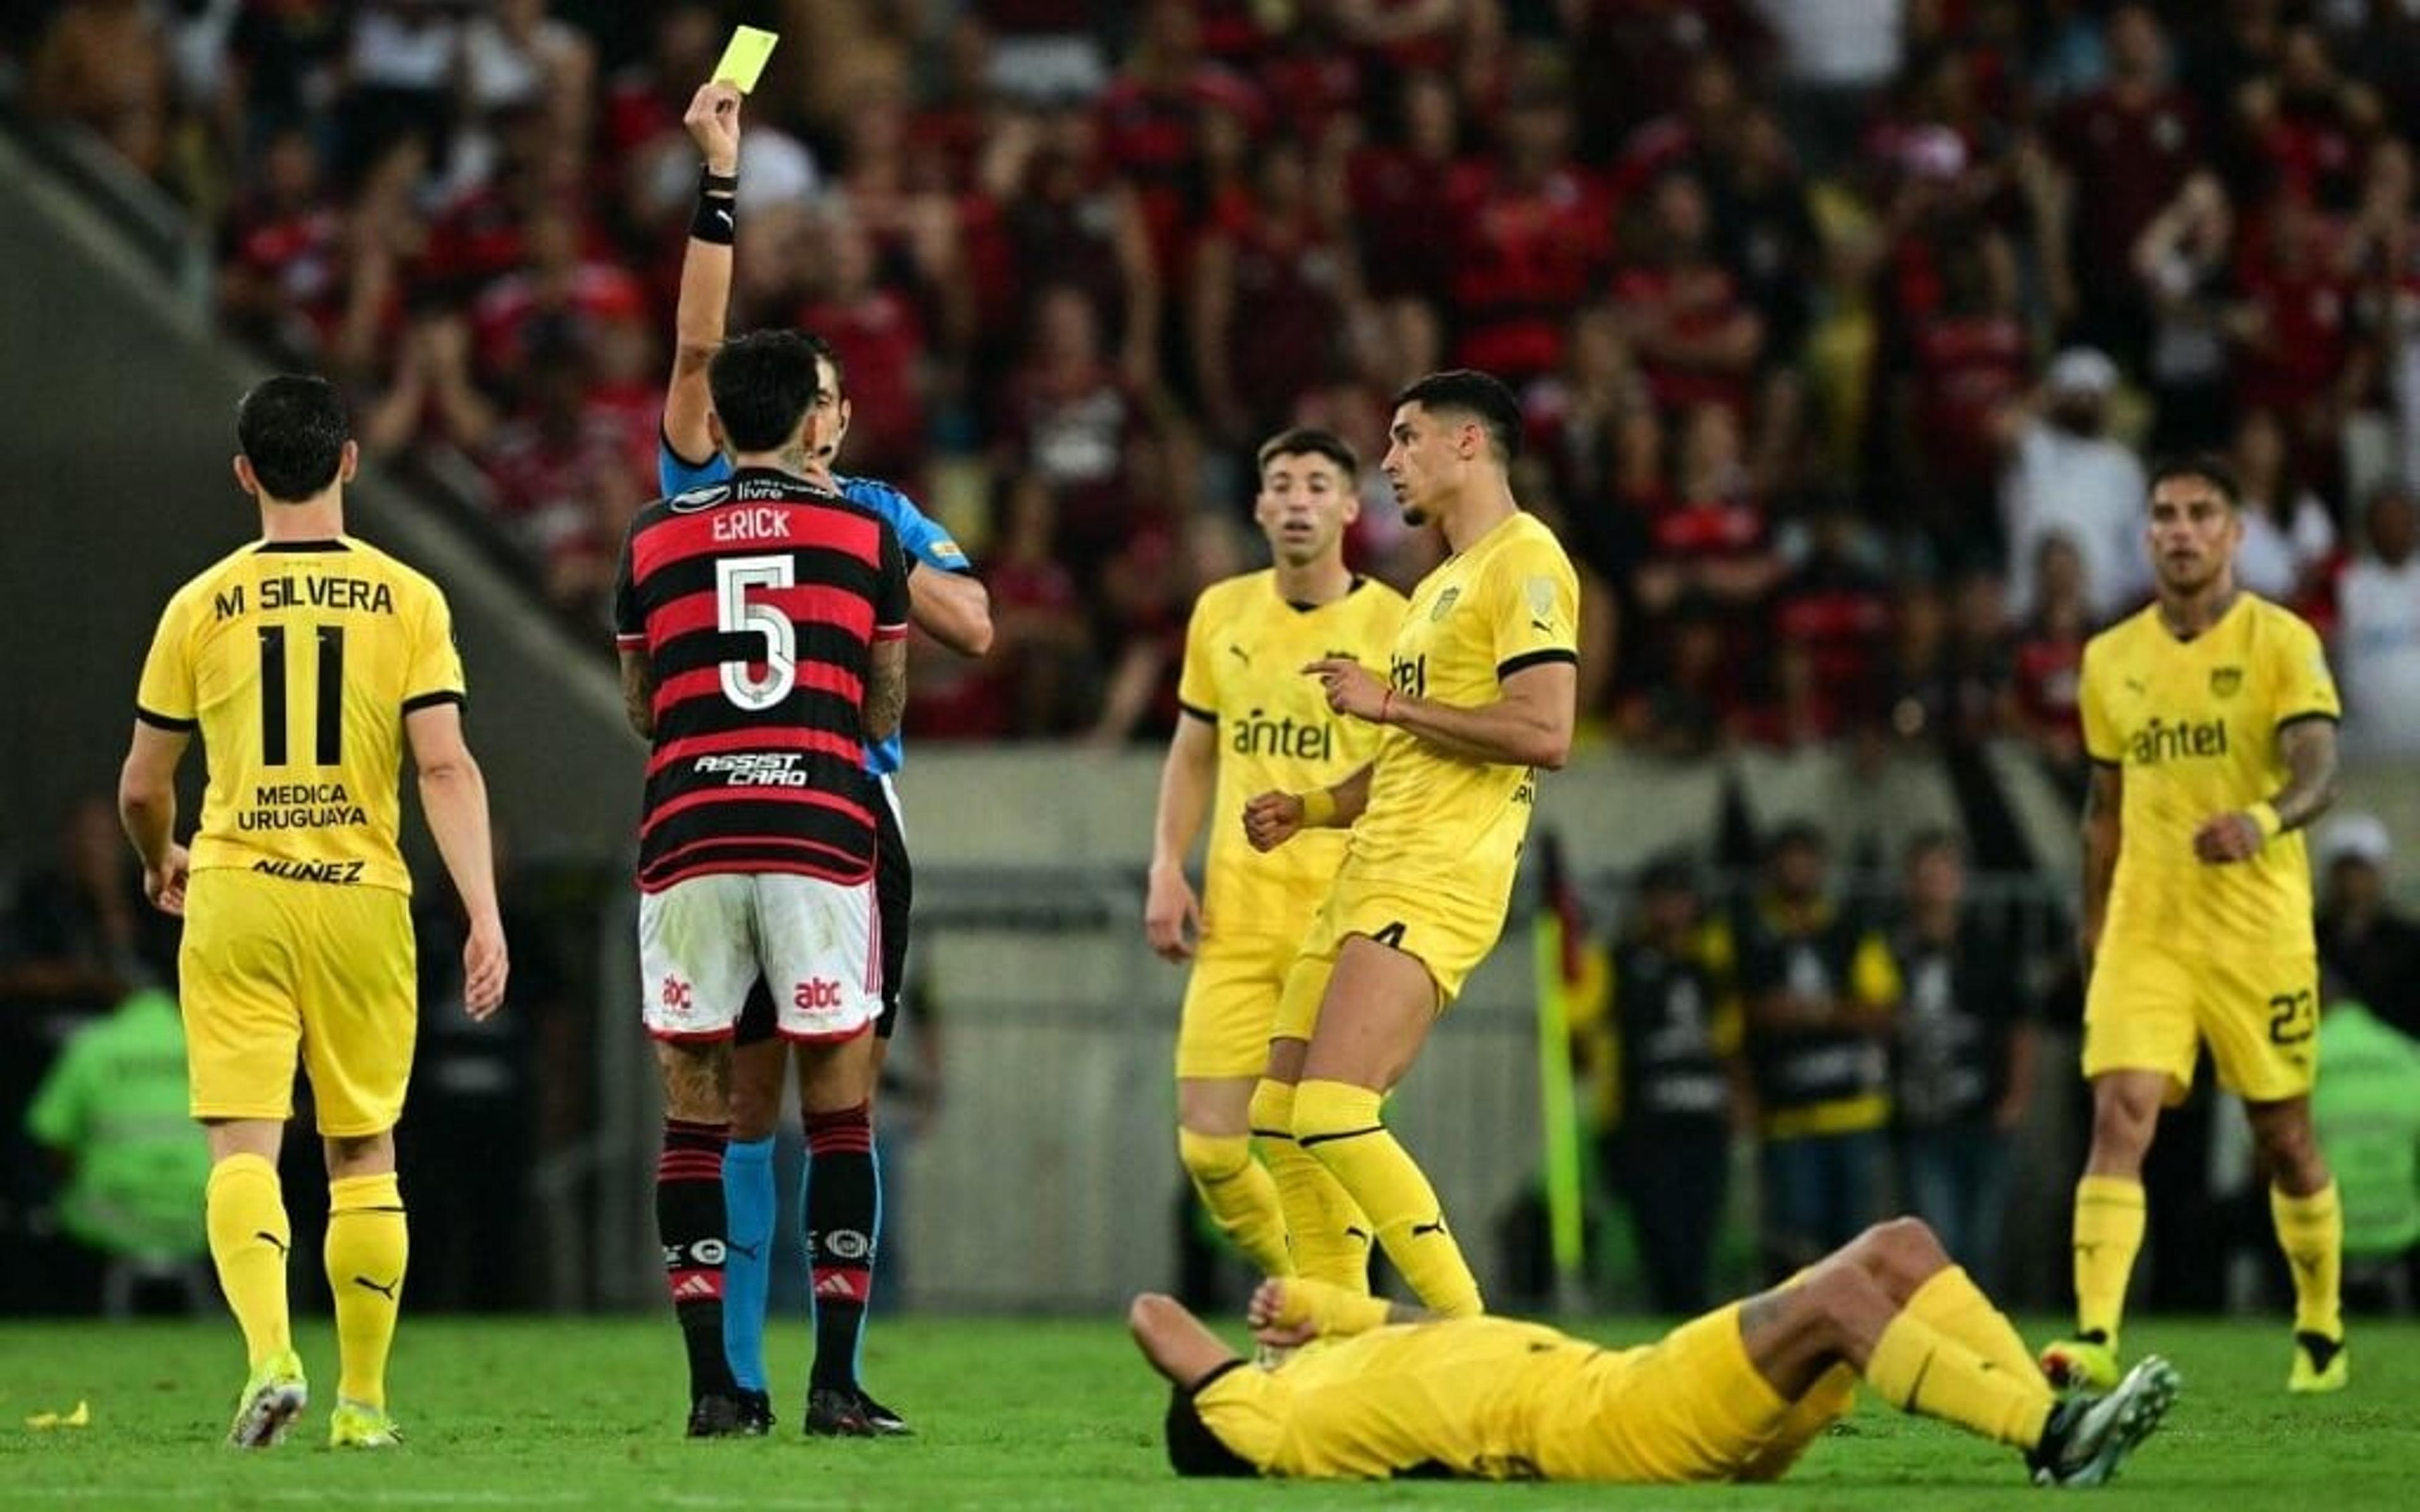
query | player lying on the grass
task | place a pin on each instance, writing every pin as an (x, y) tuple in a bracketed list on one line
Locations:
[(1736, 1395)]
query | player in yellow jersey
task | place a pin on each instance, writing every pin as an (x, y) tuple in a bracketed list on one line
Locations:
[(2211, 719), (307, 661), (1254, 723), (1737, 1394), (1478, 694)]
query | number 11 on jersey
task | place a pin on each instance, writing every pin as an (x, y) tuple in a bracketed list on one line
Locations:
[(328, 706)]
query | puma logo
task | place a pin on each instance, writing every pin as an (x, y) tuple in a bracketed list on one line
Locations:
[(280, 1244), (387, 1290), (1436, 1227), (1362, 1235), (1240, 654)]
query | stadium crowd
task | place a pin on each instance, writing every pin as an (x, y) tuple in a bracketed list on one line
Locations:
[(1839, 327), (1840, 330)]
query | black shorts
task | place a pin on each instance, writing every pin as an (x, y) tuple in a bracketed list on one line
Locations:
[(895, 890)]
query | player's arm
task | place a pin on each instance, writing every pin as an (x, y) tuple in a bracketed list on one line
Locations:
[(639, 692), (886, 670), (454, 795), (2102, 803), (147, 808), (1530, 724), (2309, 748), (1171, 916), (1273, 818), (952, 607), (713, 123), (885, 689)]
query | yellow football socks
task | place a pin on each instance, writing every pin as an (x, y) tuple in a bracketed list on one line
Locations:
[(1241, 1196), (245, 1212), (1329, 1235), (2311, 1232), (1339, 1122), (365, 1252), (1951, 1302), (1917, 1368), (2108, 1230)]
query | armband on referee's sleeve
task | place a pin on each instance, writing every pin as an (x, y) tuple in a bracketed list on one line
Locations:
[(1318, 809), (2264, 814)]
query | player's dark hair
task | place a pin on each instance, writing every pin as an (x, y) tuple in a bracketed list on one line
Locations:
[(764, 383), (292, 429), (1798, 835), (2207, 467), (1937, 839), (1192, 1448), (1307, 440), (1480, 396)]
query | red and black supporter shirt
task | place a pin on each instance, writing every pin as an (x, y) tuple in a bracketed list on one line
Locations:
[(757, 602)]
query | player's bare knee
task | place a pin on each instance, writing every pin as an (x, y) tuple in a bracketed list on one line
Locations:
[(2288, 1146), (2124, 1118), (1898, 1253)]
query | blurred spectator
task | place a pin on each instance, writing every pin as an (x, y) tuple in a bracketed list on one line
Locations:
[(1067, 417), (131, 1162), (884, 355), (1970, 359), (1060, 216), (2129, 148), (283, 257), (1834, 609), (81, 932), (2365, 943), (1408, 182), (403, 62), (2366, 1111), (2296, 354), (1821, 989), (1039, 672), (1666, 1056), (1698, 341), (1689, 704), (2050, 661), (2289, 541), (104, 64), (2377, 632), (1534, 241), (1271, 289), (2066, 477), (2183, 260), (2306, 122), (1962, 1057)]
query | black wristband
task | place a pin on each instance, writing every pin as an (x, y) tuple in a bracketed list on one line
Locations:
[(716, 220), (710, 182)]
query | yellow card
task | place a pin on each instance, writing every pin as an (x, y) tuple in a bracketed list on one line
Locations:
[(744, 61)]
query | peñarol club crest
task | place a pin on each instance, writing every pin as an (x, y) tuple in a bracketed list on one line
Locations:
[(2224, 680)]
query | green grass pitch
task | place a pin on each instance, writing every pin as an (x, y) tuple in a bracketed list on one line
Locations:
[(1016, 1413)]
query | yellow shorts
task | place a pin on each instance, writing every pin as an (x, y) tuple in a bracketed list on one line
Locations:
[(1230, 1002), (1446, 934), (269, 968), (2147, 1010), (1689, 1408)]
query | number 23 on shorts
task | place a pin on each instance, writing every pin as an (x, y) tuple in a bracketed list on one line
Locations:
[(2293, 1017)]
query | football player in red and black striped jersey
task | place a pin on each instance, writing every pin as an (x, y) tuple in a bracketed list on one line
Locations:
[(761, 623)]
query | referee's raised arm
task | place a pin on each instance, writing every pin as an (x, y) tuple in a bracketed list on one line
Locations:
[(713, 123)]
